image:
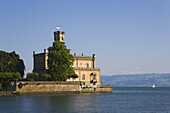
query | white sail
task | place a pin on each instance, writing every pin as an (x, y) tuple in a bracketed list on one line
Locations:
[(153, 86)]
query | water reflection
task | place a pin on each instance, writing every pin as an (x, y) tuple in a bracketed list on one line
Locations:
[(120, 101), (46, 104)]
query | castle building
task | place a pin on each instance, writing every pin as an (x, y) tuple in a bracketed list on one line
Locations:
[(84, 66)]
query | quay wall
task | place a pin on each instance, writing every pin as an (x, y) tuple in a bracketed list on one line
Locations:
[(101, 89), (54, 87), (6, 93), (48, 86)]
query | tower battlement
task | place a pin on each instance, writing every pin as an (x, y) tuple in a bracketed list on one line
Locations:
[(59, 36)]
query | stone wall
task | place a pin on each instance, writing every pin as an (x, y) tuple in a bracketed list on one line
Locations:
[(101, 89), (104, 90), (6, 93), (51, 87), (48, 86)]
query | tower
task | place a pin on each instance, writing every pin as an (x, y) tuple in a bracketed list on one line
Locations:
[(59, 36)]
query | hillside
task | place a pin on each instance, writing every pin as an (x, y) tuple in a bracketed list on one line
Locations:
[(139, 80)]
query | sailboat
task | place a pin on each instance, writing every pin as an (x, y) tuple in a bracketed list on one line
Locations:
[(153, 86)]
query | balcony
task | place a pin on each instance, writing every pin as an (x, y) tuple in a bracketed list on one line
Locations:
[(93, 81)]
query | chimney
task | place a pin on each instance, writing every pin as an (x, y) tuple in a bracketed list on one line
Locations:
[(94, 56)]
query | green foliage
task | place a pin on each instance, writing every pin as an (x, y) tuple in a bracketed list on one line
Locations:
[(32, 76), (16, 76), (20, 85), (11, 62), (24, 79), (72, 74), (18, 93), (1, 87), (46, 76), (7, 76), (60, 62), (5, 85)]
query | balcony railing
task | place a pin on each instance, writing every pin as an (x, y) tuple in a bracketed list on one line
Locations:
[(93, 81)]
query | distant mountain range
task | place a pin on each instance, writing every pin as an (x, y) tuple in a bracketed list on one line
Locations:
[(137, 80)]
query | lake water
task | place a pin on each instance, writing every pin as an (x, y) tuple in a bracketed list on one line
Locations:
[(122, 100)]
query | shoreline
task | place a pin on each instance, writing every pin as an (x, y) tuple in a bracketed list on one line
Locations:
[(16, 93), (51, 88)]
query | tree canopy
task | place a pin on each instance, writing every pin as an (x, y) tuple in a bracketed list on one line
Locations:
[(8, 76), (46, 77), (32, 76), (11, 62), (60, 62)]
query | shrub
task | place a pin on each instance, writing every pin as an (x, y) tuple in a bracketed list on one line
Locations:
[(1, 89), (32, 76), (8, 76), (46, 76), (5, 85), (20, 85), (18, 93)]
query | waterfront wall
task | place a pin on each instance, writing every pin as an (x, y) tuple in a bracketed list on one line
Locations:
[(6, 93), (56, 87), (48, 86), (101, 89)]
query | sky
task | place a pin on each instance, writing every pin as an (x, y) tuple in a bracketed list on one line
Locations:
[(127, 36)]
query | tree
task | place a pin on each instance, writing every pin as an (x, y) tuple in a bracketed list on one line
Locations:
[(8, 76), (11, 62), (20, 67), (16, 76), (60, 62), (32, 76), (46, 76), (72, 74)]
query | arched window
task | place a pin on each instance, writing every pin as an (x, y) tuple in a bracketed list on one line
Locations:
[(83, 77), (87, 65)]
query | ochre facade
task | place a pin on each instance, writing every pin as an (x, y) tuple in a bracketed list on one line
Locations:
[(84, 66)]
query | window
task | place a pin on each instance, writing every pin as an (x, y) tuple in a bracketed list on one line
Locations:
[(87, 65), (83, 77), (94, 77)]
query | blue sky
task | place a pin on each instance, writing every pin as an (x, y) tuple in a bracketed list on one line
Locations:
[(127, 36)]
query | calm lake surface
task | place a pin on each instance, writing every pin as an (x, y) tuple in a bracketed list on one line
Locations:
[(122, 100)]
